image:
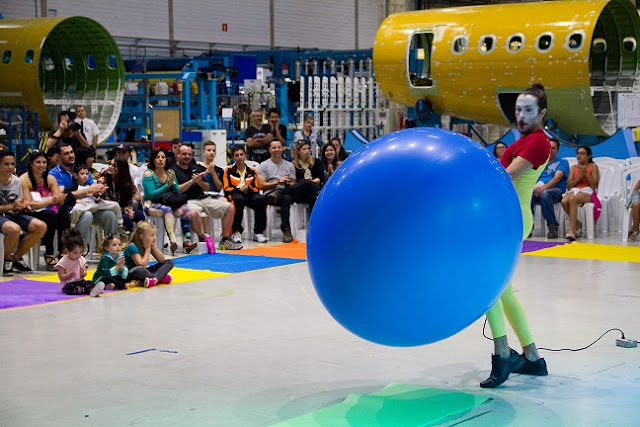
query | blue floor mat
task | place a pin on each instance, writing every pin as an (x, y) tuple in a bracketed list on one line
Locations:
[(226, 263)]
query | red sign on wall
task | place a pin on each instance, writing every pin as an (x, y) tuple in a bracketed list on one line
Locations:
[(224, 28)]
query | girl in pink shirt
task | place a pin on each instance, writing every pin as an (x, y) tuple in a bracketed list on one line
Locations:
[(72, 268)]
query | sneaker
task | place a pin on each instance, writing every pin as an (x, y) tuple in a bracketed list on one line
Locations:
[(21, 267), (236, 237), (287, 237), (97, 289), (7, 270), (227, 244), (150, 282), (259, 237), (166, 279), (553, 231)]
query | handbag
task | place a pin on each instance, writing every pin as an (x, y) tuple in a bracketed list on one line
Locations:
[(171, 199)]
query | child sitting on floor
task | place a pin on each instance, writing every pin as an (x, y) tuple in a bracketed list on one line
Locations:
[(91, 203), (72, 268), (142, 245), (112, 270)]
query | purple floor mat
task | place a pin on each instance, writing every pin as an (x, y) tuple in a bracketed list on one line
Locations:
[(532, 245), (23, 292)]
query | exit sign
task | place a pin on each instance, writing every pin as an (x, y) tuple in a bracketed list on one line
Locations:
[(224, 28)]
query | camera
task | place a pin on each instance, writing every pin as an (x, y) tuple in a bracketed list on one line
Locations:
[(73, 126)]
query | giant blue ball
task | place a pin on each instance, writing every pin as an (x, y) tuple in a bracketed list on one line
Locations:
[(414, 237)]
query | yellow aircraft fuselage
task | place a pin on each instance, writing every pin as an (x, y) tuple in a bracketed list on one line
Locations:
[(471, 62)]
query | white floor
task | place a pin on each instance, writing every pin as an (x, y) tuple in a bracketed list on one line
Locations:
[(256, 348)]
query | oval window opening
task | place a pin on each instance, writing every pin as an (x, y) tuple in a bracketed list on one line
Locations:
[(599, 45), (112, 61), (91, 62), (48, 63), (575, 41), (6, 57), (629, 44), (544, 42), (28, 57), (460, 44), (487, 44), (68, 62), (515, 43)]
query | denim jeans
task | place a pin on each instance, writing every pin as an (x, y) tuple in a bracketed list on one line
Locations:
[(546, 199)]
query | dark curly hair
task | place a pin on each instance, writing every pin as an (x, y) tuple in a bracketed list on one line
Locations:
[(152, 158)]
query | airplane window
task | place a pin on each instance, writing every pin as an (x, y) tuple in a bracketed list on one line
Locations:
[(460, 44), (68, 62), (545, 42), (112, 61), (599, 45), (515, 43), (28, 57), (48, 63), (91, 62), (575, 40), (629, 44), (487, 43), (6, 57)]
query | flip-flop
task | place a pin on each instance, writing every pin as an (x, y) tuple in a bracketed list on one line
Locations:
[(570, 237)]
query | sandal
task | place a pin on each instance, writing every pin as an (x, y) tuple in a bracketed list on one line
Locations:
[(632, 236), (579, 231), (570, 237), (50, 261)]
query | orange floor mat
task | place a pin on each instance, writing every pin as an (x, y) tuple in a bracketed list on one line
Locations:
[(294, 250)]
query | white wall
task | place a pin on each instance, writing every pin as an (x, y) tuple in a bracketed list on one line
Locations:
[(324, 24)]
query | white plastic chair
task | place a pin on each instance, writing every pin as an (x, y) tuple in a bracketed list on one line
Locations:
[(571, 160), (632, 161), (630, 174), (541, 224)]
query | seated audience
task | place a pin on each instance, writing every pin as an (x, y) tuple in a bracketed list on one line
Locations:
[(141, 247), (191, 183), (277, 129), (214, 173), (309, 175), (498, 149), (120, 188), (241, 188), (634, 203), (90, 203), (330, 160), (550, 187), (582, 182), (275, 176), (63, 173), (13, 218), (42, 194), (162, 198), (342, 153)]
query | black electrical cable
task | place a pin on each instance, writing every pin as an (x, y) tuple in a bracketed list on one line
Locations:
[(560, 349)]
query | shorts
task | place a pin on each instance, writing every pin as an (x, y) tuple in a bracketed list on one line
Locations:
[(215, 208), (575, 190), (21, 219)]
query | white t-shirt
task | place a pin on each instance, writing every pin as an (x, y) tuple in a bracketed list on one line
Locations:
[(11, 192), (89, 128)]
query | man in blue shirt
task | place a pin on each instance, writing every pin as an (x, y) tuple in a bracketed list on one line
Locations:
[(551, 186), (63, 173)]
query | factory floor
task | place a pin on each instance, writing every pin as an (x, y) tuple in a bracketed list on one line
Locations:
[(256, 348)]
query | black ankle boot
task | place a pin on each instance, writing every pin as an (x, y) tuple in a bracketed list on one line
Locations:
[(501, 368), (539, 367)]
